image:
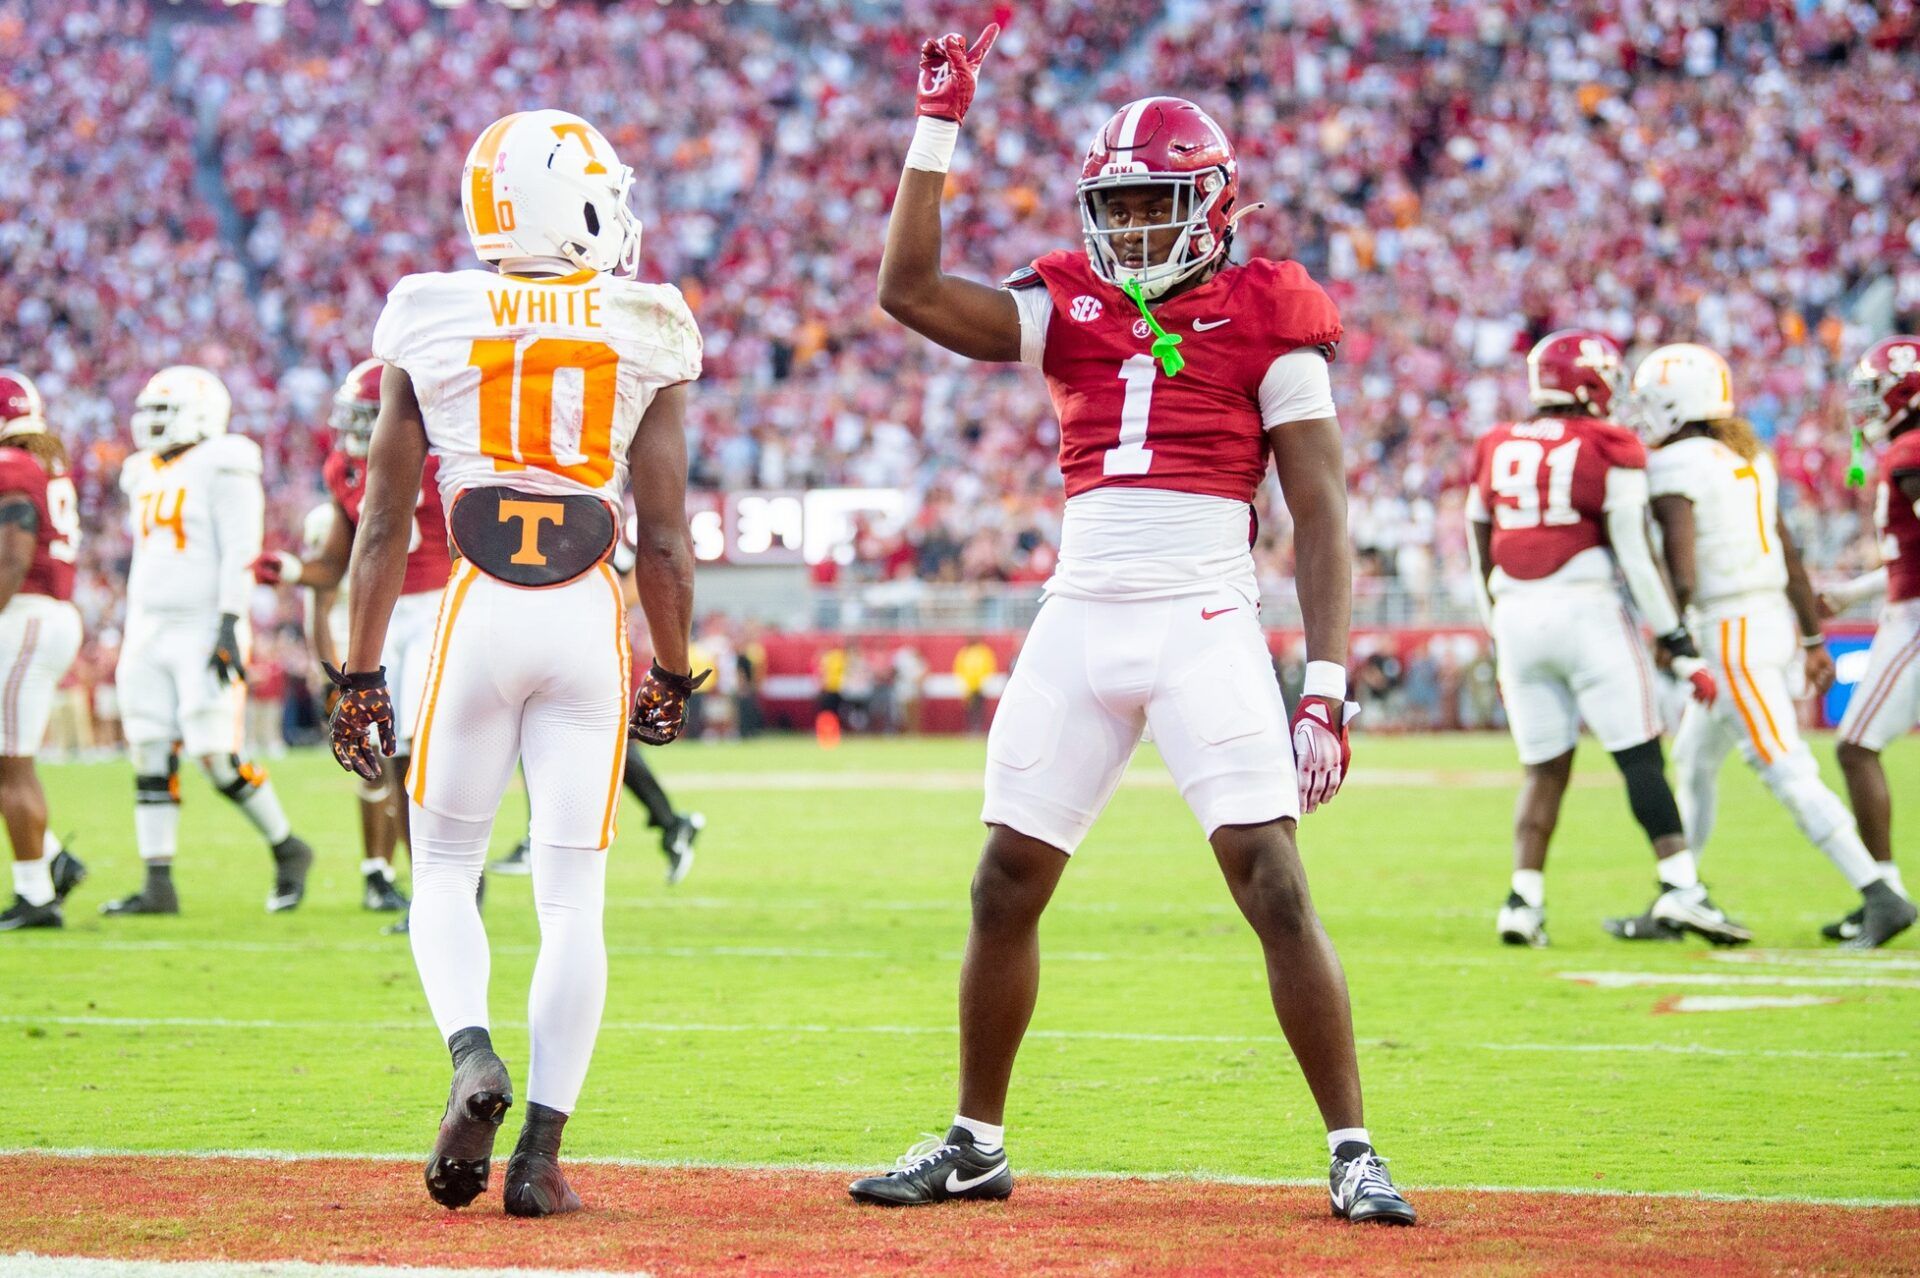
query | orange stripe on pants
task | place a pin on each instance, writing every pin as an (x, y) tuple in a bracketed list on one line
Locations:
[(1733, 685), (626, 706), (442, 640), (1765, 713)]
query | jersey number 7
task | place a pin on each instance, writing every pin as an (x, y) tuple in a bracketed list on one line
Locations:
[(516, 405)]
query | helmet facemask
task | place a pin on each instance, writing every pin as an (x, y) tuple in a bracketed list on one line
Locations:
[(1194, 248), (352, 422)]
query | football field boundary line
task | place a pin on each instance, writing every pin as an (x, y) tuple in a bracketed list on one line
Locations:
[(1199, 1176), (28, 1264), (924, 1031)]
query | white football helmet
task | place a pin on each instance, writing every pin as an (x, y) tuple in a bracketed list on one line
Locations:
[(1678, 384), (316, 528), (547, 184), (180, 405)]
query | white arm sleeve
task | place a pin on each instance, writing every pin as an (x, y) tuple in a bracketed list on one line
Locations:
[(1627, 530), (239, 516), (1297, 388), (1036, 311), (1866, 586)]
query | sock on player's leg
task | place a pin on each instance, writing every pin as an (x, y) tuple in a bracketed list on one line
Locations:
[(449, 940), (1531, 886), (1890, 875), (646, 788), (156, 802), (987, 1137), (569, 989), (33, 880), (1821, 816), (1347, 1136), (50, 845), (246, 785), (1679, 870)]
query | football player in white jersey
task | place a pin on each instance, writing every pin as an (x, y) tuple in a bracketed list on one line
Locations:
[(539, 386), (197, 507), (1716, 500)]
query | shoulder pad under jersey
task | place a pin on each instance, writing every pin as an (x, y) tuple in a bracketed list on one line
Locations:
[(1025, 277)]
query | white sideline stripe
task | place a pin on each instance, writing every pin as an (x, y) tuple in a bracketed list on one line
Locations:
[(1745, 1002), (908, 1031), (1622, 980), (29, 1265), (1143, 778), (1842, 962), (1198, 1175)]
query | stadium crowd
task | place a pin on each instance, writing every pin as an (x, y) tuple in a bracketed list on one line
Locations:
[(238, 188)]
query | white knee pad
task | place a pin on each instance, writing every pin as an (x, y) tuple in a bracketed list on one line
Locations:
[(151, 758), (446, 839), (1795, 781)]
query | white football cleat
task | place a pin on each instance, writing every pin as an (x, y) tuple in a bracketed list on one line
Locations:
[(1522, 924)]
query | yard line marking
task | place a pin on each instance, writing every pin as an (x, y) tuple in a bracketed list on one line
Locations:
[(1739, 1002), (912, 1031), (1198, 1175), (1142, 778), (1624, 980), (30, 1265), (1839, 962)]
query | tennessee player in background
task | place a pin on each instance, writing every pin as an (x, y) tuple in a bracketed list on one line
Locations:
[(1170, 416), (1558, 502), (540, 387), (39, 637), (409, 636), (1733, 565), (1884, 406), (196, 510)]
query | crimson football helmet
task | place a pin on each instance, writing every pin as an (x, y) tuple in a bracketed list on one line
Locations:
[(356, 405), (1160, 142), (21, 412), (1575, 367), (1883, 393)]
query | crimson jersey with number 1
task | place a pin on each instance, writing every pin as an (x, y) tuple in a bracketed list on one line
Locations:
[(55, 507), (428, 562), (1897, 519), (1542, 484), (1126, 422)]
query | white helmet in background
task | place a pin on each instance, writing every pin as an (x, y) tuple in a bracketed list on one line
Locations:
[(547, 184), (1678, 384), (180, 405), (316, 528)]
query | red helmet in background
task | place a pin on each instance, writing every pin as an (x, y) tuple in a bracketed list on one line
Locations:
[(1883, 394), (355, 407), (1160, 142), (1575, 367), (21, 412)]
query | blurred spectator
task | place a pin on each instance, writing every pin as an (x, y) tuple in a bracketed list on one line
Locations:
[(973, 665)]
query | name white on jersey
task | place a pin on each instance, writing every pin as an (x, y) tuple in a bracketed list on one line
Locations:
[(1736, 508), (196, 526), (536, 384)]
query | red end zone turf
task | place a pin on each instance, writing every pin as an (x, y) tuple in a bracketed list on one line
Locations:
[(693, 1221)]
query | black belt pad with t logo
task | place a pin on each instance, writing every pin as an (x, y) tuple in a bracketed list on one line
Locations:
[(531, 539)]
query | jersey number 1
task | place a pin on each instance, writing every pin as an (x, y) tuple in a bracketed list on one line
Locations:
[(1516, 481), (516, 405), (1133, 457)]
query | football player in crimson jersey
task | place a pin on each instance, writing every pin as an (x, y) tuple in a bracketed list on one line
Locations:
[(409, 648), (1179, 377), (1558, 502), (1884, 406), (1737, 572), (39, 637)]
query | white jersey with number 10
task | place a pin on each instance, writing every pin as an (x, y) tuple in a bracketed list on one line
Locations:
[(533, 383)]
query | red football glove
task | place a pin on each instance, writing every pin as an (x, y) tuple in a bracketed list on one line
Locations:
[(271, 567), (1320, 748), (1705, 690), (948, 73)]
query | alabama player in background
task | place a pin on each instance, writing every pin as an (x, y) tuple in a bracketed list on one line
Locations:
[(196, 509), (1883, 404), (1169, 415), (1558, 503), (539, 387), (39, 637), (1716, 497), (410, 634)]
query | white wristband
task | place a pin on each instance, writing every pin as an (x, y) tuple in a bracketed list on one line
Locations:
[(1325, 679), (933, 142), (291, 569)]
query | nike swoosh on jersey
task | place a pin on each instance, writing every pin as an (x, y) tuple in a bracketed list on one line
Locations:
[(1217, 612), (956, 1185), (1201, 326)]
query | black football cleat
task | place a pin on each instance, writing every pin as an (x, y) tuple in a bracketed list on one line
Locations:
[(68, 871), (292, 858), (401, 926), (22, 915), (157, 897), (676, 841), (517, 862), (537, 1187), (1361, 1192), (1886, 914), (1678, 911), (382, 897), (939, 1170), (1642, 927), (1847, 928), (462, 1155)]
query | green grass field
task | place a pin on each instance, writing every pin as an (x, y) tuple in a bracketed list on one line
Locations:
[(793, 1001)]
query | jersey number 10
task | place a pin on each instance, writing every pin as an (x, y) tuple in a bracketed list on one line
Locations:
[(1516, 483), (516, 405)]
